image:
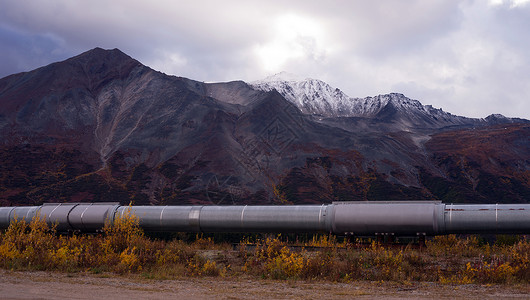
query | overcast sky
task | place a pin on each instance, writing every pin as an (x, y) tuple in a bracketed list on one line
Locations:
[(470, 58)]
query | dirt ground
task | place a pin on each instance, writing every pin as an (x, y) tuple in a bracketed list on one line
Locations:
[(47, 285)]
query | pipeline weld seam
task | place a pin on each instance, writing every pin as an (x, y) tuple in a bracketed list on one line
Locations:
[(161, 213), (83, 214), (242, 216)]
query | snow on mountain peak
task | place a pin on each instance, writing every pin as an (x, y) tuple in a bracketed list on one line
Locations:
[(313, 96), (283, 76)]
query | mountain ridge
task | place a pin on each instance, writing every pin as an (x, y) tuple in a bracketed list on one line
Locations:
[(313, 96), (103, 127)]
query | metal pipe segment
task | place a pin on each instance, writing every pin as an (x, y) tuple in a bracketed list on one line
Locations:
[(403, 218)]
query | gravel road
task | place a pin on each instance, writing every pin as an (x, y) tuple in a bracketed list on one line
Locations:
[(48, 285)]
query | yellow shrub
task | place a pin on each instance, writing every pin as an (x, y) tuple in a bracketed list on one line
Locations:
[(452, 245), (124, 231), (198, 267), (129, 260), (285, 265), (65, 258)]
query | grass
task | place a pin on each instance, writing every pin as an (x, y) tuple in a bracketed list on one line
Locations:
[(124, 249)]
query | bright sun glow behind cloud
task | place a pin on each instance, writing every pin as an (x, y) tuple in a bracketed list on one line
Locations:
[(293, 37), (513, 3)]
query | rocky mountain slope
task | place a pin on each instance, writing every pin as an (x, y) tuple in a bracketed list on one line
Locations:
[(103, 127)]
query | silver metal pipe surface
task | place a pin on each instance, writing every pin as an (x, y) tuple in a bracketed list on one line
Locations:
[(403, 218)]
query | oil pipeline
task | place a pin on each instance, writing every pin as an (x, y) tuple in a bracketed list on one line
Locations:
[(397, 218)]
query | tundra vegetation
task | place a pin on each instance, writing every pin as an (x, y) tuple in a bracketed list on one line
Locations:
[(124, 248)]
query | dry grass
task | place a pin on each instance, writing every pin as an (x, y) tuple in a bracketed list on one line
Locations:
[(123, 248)]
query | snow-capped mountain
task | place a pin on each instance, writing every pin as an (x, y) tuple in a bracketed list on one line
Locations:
[(313, 96), (397, 107)]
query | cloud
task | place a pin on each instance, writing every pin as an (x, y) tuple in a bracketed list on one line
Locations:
[(467, 57), (23, 50), (509, 3)]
